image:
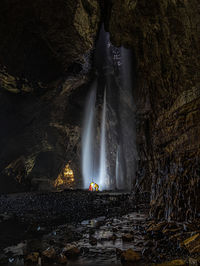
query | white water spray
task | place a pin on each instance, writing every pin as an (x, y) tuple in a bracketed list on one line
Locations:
[(118, 170), (103, 182), (88, 141)]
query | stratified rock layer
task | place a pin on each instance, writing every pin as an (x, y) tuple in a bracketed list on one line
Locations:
[(164, 36)]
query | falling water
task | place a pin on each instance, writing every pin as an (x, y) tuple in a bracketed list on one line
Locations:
[(119, 173), (103, 182), (88, 138), (117, 149)]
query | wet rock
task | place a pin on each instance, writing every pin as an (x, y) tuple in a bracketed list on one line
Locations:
[(114, 229), (49, 253), (192, 244), (17, 250), (119, 252), (173, 263), (113, 237), (193, 262), (62, 259), (156, 227), (93, 241), (32, 257), (84, 250), (130, 256), (127, 237), (149, 243), (3, 259), (71, 251)]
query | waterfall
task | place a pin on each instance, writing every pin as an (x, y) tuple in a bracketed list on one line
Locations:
[(119, 174), (117, 152), (88, 138), (103, 182)]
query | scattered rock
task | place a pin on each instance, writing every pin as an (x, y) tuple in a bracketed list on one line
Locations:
[(130, 256)]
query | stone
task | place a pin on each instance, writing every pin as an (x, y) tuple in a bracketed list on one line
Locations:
[(130, 256), (119, 252), (127, 237), (193, 262), (71, 252), (49, 253), (92, 241), (192, 244), (173, 263), (62, 259), (3, 259), (113, 237), (148, 243), (33, 257), (156, 227)]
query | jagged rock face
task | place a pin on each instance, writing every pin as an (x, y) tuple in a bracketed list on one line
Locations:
[(42, 51), (41, 39), (164, 36), (40, 135)]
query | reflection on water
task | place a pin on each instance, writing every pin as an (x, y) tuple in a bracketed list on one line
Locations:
[(100, 237), (108, 233)]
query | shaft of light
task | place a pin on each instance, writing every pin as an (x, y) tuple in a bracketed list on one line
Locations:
[(88, 136), (103, 182)]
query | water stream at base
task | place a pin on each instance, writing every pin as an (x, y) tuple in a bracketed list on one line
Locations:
[(102, 229)]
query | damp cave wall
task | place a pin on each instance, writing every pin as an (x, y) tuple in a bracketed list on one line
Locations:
[(164, 36), (43, 93)]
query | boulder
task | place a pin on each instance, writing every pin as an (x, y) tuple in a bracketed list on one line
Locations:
[(49, 253), (173, 263), (192, 244), (33, 257), (62, 259), (127, 237), (71, 251), (130, 256)]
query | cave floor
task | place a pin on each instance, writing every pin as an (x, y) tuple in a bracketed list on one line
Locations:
[(84, 228)]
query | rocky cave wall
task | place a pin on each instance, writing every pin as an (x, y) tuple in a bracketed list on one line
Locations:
[(43, 87), (43, 60), (165, 37)]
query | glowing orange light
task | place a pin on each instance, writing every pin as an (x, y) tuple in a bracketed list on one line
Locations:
[(65, 178)]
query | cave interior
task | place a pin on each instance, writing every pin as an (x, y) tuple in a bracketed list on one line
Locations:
[(103, 92)]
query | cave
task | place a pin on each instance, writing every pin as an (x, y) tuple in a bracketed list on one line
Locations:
[(100, 132)]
